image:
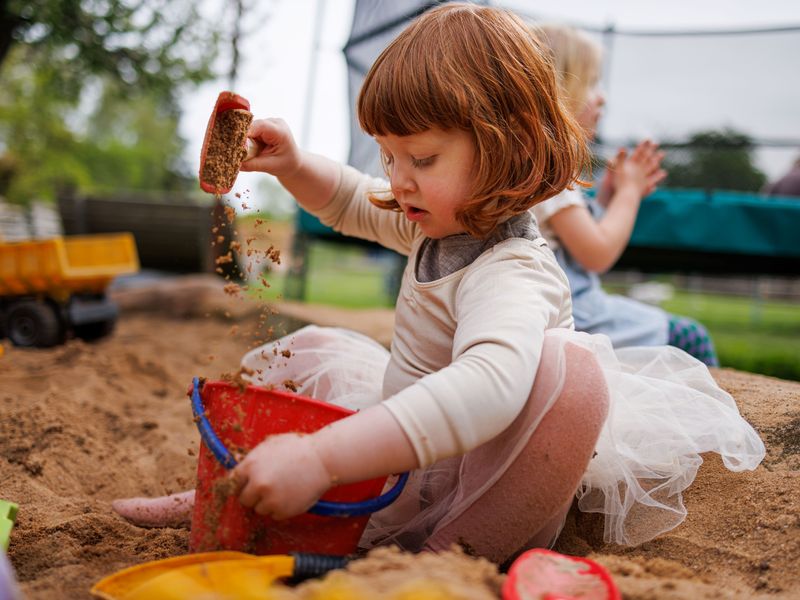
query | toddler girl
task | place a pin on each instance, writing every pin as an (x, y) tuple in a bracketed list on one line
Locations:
[(491, 400), (588, 235)]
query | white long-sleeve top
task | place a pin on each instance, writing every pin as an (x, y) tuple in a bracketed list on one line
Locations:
[(466, 347)]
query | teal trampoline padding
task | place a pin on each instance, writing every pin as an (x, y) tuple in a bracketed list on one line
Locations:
[(692, 220), (719, 222), (308, 223)]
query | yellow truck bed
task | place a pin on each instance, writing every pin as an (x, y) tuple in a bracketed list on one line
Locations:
[(62, 266)]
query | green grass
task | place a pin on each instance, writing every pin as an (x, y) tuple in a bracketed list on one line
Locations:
[(750, 335), (338, 276)]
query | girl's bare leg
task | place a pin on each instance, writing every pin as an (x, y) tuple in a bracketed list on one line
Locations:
[(174, 510), (527, 505)]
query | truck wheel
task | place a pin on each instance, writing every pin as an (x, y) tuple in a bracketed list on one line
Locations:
[(89, 332), (33, 323)]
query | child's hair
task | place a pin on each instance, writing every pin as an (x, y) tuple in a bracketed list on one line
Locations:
[(576, 58), (478, 69)]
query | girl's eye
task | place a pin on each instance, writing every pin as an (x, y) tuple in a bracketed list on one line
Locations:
[(423, 162), (387, 158)]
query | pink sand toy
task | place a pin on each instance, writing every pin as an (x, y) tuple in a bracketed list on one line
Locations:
[(548, 575)]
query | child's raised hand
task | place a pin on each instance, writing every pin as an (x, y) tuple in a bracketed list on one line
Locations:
[(272, 148), (282, 477), (641, 171), (606, 190)]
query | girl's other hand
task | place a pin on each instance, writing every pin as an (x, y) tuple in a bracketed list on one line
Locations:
[(641, 171), (282, 477), (273, 148)]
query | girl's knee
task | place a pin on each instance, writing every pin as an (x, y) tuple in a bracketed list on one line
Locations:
[(573, 373), (585, 392)]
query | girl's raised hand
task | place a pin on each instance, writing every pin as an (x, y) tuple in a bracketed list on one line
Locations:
[(272, 148), (282, 477), (641, 170)]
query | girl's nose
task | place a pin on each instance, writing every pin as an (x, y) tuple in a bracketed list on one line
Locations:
[(401, 180)]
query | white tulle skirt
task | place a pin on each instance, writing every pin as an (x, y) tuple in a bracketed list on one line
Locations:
[(665, 411)]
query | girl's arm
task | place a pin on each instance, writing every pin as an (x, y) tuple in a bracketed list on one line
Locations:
[(597, 245), (285, 474), (312, 179)]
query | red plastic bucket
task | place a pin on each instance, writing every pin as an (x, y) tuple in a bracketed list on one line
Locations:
[(242, 419)]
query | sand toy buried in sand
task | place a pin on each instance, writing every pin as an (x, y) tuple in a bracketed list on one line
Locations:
[(537, 574), (8, 516), (225, 144), (226, 575), (8, 584), (546, 575)]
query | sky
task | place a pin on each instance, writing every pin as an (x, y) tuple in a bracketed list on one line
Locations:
[(284, 73)]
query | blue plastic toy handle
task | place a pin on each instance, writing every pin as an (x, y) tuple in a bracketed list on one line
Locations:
[(323, 507)]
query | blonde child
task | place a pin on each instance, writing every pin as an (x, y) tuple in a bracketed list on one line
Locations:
[(491, 400), (589, 235)]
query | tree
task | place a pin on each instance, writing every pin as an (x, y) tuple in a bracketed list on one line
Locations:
[(114, 139), (152, 44), (713, 160), (88, 93)]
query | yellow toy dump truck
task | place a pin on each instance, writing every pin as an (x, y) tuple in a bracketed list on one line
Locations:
[(53, 287)]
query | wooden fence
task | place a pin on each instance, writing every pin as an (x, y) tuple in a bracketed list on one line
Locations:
[(172, 233)]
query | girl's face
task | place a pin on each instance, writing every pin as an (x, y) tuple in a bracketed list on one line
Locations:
[(431, 176), (590, 114)]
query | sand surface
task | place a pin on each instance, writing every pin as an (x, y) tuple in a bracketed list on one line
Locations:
[(83, 424)]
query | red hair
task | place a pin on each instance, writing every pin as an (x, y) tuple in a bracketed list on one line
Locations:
[(478, 69)]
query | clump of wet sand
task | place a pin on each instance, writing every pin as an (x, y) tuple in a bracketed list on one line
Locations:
[(226, 149)]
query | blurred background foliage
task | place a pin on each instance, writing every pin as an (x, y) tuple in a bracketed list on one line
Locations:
[(711, 160), (88, 94)]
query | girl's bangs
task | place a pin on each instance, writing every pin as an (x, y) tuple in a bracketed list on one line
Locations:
[(406, 94)]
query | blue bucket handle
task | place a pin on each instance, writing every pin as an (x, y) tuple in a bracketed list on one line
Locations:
[(322, 507)]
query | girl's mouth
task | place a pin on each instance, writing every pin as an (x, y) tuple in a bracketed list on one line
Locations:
[(415, 214)]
